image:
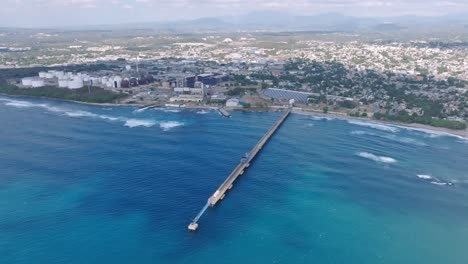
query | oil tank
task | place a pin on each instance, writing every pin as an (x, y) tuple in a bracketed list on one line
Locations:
[(37, 83), (26, 81), (76, 83)]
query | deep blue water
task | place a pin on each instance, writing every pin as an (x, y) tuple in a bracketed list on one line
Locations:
[(93, 184)]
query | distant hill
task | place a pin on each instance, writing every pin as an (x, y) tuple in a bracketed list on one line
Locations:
[(387, 27), (281, 22)]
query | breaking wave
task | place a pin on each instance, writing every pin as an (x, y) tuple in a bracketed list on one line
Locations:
[(374, 125), (435, 181), (434, 134), (138, 122), (166, 126), (171, 110), (376, 158), (80, 113), (424, 177), (202, 112), (392, 137), (441, 183)]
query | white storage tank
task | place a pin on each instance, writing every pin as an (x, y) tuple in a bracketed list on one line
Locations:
[(26, 81), (49, 75), (37, 83), (95, 81), (63, 83), (117, 82), (59, 74), (128, 67), (76, 83)]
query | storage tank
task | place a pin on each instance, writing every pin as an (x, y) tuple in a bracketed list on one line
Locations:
[(128, 67), (37, 83), (95, 81), (49, 75), (59, 74), (117, 82), (76, 83), (26, 81), (42, 74), (63, 83)]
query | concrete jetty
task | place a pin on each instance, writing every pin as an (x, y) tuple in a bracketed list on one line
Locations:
[(228, 183), (223, 112)]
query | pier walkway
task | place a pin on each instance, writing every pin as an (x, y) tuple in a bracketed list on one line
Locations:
[(239, 170)]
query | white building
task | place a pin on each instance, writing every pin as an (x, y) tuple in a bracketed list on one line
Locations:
[(233, 102)]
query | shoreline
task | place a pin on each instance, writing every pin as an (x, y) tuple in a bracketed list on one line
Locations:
[(298, 110), (413, 126)]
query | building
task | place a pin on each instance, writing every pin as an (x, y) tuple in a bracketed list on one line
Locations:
[(233, 102)]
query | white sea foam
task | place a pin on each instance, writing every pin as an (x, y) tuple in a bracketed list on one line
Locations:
[(79, 114), (19, 104), (26, 104), (441, 183), (424, 177), (111, 118), (392, 137), (376, 158), (361, 133), (319, 118), (374, 125), (435, 180), (434, 134), (171, 111), (139, 122), (202, 112), (166, 126)]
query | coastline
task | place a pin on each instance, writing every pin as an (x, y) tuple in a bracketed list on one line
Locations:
[(70, 101), (298, 110), (414, 126)]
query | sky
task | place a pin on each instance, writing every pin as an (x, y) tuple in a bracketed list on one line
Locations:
[(59, 13)]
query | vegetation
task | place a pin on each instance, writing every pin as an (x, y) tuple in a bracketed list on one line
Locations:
[(239, 91), (325, 109), (347, 104), (93, 95), (405, 118)]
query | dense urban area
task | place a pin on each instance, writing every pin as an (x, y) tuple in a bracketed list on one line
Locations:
[(390, 77)]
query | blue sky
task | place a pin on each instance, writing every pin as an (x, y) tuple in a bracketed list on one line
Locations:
[(36, 13)]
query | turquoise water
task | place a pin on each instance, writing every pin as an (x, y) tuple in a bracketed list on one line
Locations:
[(92, 184)]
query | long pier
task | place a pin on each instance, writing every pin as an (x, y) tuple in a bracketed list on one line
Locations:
[(220, 193)]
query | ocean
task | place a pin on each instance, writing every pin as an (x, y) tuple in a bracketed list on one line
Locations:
[(112, 184)]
